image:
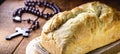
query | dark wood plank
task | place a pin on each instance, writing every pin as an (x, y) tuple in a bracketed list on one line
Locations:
[(17, 44), (7, 27)]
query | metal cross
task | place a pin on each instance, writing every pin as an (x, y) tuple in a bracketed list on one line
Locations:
[(24, 32)]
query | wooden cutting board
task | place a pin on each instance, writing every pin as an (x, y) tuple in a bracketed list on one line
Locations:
[(18, 44)]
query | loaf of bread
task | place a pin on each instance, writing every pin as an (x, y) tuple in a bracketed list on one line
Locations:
[(78, 31)]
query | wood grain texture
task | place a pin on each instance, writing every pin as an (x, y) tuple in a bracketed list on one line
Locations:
[(7, 27)]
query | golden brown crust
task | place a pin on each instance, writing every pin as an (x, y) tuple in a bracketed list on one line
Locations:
[(82, 29)]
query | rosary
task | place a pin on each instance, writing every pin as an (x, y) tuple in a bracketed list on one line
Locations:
[(30, 8)]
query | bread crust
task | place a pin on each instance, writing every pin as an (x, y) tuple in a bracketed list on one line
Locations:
[(82, 29)]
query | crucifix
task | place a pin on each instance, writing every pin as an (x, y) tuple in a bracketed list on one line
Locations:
[(24, 32), (30, 7)]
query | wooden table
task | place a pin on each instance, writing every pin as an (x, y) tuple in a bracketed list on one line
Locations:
[(7, 26)]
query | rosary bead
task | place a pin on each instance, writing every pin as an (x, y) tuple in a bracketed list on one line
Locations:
[(40, 14), (37, 25), (32, 11), (26, 4), (50, 6), (50, 14), (29, 10), (26, 9), (30, 7), (15, 13), (39, 3), (47, 5), (35, 12), (56, 7), (17, 19), (33, 28), (28, 21), (23, 9), (46, 16), (29, 4), (32, 4), (33, 8), (19, 13), (55, 11), (34, 22)]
